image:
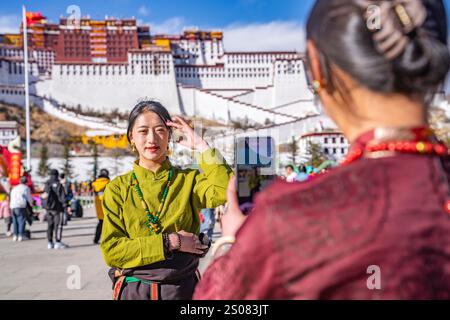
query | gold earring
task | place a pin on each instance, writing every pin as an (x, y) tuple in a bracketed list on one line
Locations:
[(169, 150), (317, 86), (133, 147)]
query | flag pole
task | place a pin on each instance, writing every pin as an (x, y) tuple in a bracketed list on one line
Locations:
[(27, 96)]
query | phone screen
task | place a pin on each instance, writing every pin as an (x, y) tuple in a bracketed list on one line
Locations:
[(254, 168)]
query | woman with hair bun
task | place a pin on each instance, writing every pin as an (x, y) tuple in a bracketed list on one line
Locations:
[(377, 227)]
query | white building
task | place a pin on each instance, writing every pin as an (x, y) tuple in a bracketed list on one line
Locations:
[(8, 132), (269, 87), (12, 79), (43, 57), (191, 75), (105, 87), (333, 145)]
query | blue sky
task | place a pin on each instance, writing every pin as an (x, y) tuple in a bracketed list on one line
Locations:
[(200, 12), (247, 24)]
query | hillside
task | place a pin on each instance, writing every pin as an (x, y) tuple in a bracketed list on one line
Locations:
[(44, 128)]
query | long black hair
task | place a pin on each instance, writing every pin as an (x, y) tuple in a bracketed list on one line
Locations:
[(145, 106), (339, 30)]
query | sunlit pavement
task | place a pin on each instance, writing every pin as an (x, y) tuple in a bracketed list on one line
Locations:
[(31, 271)]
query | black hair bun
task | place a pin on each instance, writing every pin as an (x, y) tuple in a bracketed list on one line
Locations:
[(425, 61)]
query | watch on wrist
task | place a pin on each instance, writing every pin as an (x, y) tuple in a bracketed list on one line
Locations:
[(166, 245)]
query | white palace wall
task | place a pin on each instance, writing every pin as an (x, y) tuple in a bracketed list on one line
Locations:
[(260, 87), (228, 93), (106, 92), (290, 83)]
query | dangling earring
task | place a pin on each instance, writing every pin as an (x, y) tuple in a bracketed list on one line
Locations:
[(133, 147), (317, 86), (169, 150)]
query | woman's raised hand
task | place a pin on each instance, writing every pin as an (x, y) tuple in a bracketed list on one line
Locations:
[(192, 140)]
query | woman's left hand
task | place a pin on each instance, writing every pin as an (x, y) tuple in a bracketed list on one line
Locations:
[(192, 140), (233, 218)]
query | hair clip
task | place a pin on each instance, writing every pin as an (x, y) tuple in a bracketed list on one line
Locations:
[(396, 19)]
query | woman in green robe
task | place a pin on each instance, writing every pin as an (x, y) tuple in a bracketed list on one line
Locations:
[(150, 236)]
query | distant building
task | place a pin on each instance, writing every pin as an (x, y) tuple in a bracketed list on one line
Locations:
[(8, 132), (110, 64), (98, 41), (333, 144), (90, 41)]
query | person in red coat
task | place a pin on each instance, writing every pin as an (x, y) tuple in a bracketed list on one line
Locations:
[(377, 227)]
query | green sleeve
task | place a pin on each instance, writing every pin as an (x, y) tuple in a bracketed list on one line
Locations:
[(119, 249), (210, 190)]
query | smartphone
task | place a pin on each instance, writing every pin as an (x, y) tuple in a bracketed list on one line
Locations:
[(254, 168)]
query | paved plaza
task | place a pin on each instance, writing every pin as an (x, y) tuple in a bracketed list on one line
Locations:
[(31, 271)]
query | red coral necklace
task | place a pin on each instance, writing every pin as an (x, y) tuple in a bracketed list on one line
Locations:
[(384, 142)]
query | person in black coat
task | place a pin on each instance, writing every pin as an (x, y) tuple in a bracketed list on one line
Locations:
[(54, 201)]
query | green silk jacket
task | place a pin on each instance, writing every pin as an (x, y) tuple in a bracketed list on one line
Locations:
[(126, 240)]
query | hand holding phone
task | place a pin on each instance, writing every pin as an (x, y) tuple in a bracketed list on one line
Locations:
[(233, 218)]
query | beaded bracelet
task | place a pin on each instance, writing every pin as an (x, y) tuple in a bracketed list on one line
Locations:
[(178, 246)]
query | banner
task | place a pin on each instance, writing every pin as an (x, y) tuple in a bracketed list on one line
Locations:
[(15, 168)]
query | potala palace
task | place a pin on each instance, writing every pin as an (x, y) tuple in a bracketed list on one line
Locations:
[(271, 85), (112, 64)]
